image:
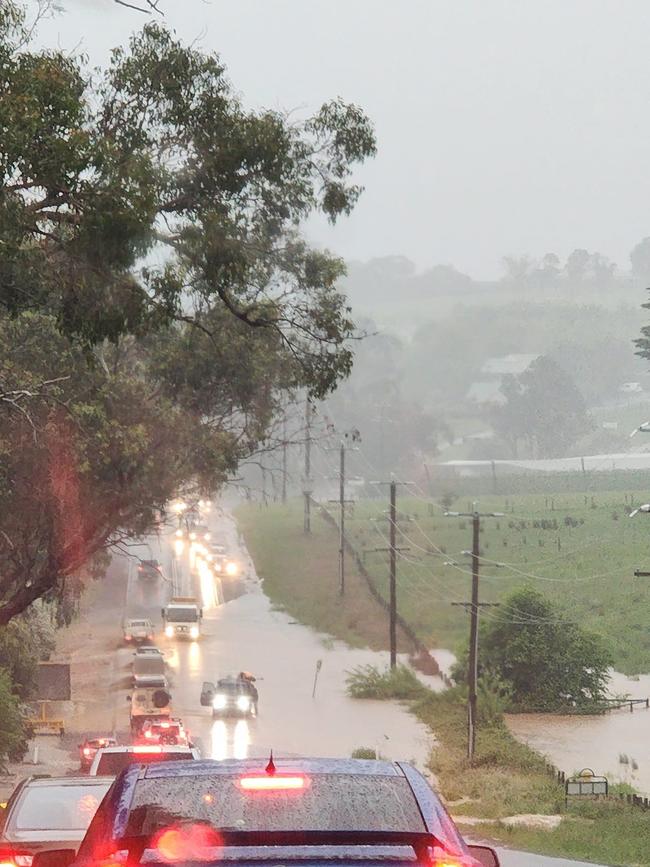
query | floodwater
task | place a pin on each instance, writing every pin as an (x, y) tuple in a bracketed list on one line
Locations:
[(297, 716), (597, 742)]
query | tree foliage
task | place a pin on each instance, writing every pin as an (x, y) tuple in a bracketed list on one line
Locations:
[(543, 660), (543, 407), (157, 157), (156, 296)]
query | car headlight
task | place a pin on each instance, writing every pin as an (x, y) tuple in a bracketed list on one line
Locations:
[(243, 702), (219, 702), (231, 568), (169, 631), (194, 631)]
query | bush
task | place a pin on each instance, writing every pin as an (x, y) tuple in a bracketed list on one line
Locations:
[(14, 730), (364, 753), (366, 681)]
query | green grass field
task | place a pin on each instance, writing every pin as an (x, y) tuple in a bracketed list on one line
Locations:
[(581, 550)]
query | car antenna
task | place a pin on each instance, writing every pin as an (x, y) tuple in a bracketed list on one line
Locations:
[(270, 768)]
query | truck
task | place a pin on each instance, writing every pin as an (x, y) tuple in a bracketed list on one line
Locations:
[(152, 702), (182, 617)]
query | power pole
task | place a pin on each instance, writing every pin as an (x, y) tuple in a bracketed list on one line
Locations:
[(306, 485), (393, 575), (342, 521), (284, 457), (472, 668), (393, 551)]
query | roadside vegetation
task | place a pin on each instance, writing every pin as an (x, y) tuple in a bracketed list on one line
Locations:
[(507, 778)]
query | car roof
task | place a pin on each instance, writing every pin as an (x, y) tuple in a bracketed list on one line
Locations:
[(81, 780), (210, 767)]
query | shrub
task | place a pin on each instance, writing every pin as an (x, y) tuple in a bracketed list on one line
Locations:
[(367, 681)]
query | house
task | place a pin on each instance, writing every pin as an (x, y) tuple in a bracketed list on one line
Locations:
[(488, 388)]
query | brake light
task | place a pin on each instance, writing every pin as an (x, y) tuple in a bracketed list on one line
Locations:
[(273, 783), (112, 859), (9, 858), (442, 858), (164, 725), (156, 749)]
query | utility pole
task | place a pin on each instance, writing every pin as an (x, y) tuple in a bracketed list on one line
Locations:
[(472, 668), (284, 457), (342, 521), (393, 575), (306, 483), (393, 551), (355, 437)]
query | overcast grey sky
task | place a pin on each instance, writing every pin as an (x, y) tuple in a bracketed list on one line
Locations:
[(505, 126)]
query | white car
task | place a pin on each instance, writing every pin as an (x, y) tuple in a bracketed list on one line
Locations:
[(137, 630), (108, 762)]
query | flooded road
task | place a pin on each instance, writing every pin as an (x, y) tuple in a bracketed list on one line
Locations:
[(598, 742), (246, 633)]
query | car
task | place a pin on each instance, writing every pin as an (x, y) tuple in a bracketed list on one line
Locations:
[(45, 813), (149, 569), (319, 811), (199, 533), (111, 760), (89, 747), (164, 732), (231, 696), (137, 630)]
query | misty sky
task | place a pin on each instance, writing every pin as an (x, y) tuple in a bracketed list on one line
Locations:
[(505, 126)]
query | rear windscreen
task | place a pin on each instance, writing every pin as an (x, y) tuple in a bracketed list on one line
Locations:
[(111, 764), (330, 802), (66, 808)]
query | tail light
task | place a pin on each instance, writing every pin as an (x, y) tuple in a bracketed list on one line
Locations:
[(148, 734), (13, 858), (273, 783), (86, 751), (111, 859)]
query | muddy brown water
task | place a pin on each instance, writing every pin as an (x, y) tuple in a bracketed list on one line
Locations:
[(597, 742)]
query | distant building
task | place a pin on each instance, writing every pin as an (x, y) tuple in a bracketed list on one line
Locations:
[(631, 388), (488, 388)]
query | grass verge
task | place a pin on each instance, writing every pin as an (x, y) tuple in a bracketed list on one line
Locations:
[(301, 575), (507, 778)]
